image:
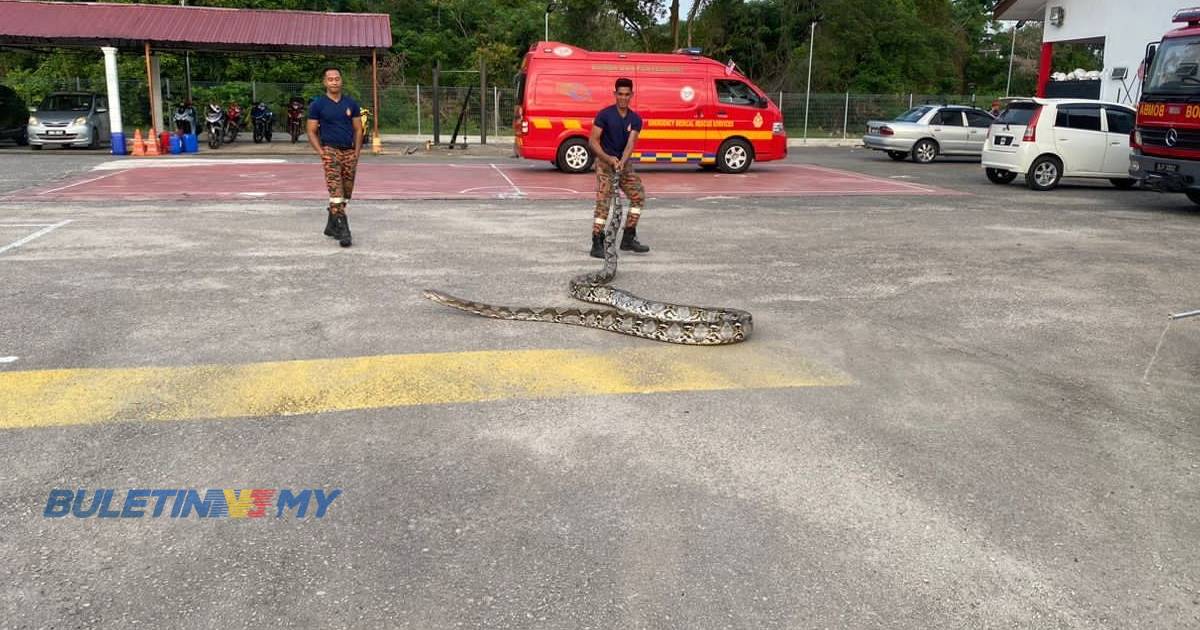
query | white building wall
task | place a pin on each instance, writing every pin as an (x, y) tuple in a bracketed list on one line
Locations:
[(1126, 26)]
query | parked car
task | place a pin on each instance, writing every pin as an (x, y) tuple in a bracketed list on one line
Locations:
[(1049, 139), (928, 131), (13, 115), (70, 119)]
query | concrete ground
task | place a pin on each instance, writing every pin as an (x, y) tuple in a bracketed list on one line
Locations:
[(956, 410)]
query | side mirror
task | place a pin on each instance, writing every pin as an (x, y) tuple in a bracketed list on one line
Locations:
[(1151, 50)]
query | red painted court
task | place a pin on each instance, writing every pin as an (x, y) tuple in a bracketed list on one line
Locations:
[(165, 179)]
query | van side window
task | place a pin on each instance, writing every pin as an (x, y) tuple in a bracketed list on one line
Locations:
[(735, 93), (1119, 120), (1085, 117)]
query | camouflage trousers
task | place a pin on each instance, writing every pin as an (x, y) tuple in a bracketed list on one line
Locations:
[(629, 182), (339, 165)]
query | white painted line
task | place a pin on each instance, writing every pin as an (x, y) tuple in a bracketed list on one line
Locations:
[(510, 182), (8, 359), (172, 162), (24, 225), (86, 181), (37, 234)]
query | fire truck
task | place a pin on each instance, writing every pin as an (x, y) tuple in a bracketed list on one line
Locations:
[(1166, 140)]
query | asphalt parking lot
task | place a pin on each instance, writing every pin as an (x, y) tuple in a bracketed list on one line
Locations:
[(959, 408)]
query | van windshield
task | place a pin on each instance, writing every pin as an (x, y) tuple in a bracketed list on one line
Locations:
[(913, 115), (1176, 67)]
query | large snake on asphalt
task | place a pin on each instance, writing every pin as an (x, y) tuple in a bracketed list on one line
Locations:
[(630, 315)]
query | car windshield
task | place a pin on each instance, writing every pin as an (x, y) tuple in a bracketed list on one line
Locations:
[(1017, 114), (66, 103), (1176, 67), (913, 115)]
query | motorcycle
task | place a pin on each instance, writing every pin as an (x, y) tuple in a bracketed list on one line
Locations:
[(263, 119), (214, 118), (295, 115), (233, 121), (366, 125), (185, 119)]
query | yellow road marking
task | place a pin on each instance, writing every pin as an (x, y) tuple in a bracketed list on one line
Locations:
[(38, 398)]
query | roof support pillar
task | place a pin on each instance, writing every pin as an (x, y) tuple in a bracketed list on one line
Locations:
[(153, 78), (1044, 68), (376, 142), (114, 100)]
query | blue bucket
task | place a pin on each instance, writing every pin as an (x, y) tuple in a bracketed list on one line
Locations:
[(190, 143), (176, 145)]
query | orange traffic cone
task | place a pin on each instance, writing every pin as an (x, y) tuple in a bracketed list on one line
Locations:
[(152, 144), (139, 148)]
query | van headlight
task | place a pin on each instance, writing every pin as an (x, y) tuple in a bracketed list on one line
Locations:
[(82, 120), (33, 120)]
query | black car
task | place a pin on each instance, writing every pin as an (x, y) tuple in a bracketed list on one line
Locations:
[(14, 116)]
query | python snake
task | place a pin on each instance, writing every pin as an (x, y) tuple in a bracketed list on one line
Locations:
[(630, 314)]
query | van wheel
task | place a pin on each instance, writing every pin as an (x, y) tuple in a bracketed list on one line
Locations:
[(899, 156), (924, 151), (1044, 173), (999, 175), (1123, 183), (734, 156), (574, 156)]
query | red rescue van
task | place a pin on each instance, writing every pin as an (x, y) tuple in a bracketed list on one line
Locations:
[(694, 109)]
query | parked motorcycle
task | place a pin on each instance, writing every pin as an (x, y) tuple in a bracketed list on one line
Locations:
[(295, 117), (263, 119), (366, 125), (214, 119), (185, 119), (233, 121)]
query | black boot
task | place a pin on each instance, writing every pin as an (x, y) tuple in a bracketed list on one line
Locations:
[(629, 242), (330, 226), (343, 232), (597, 246)]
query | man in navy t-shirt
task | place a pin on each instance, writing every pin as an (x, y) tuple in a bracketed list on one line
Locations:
[(335, 133), (614, 133)]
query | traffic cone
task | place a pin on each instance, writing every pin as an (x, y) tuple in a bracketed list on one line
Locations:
[(152, 144), (139, 149)]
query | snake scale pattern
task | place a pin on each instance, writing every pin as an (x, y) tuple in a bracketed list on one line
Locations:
[(630, 314)]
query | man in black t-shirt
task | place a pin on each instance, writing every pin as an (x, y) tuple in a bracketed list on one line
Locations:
[(614, 133)]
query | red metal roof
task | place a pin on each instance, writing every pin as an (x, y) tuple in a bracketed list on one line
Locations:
[(194, 28)]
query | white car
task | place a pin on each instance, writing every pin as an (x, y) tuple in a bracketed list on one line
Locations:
[(1047, 139)]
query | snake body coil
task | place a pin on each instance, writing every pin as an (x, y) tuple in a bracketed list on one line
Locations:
[(630, 314)]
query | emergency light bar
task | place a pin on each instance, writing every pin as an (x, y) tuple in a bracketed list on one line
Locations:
[(1191, 16), (689, 51)]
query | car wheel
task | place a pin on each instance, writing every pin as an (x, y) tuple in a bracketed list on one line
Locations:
[(734, 156), (1123, 183), (23, 138), (899, 156), (35, 147), (95, 141), (1044, 173), (999, 175), (924, 151), (1194, 195), (574, 156)]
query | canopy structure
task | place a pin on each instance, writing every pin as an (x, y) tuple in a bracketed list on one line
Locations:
[(150, 28)]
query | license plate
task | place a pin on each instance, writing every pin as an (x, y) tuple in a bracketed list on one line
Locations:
[(54, 132), (1166, 168), (1003, 141), (873, 130)]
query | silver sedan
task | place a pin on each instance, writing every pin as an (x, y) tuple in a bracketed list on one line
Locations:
[(928, 131)]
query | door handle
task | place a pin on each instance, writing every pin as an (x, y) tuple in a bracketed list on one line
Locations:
[(722, 114)]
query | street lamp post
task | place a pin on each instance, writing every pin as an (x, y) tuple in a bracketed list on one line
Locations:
[(549, 9), (812, 40), (1012, 53)]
